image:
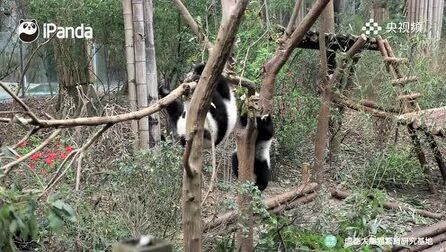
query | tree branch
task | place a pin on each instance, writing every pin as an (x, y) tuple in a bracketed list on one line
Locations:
[(283, 52), (290, 27), (74, 154), (17, 99), (8, 167), (98, 120), (196, 29)]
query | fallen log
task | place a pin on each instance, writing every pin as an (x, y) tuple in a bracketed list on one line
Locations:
[(441, 247), (299, 195), (339, 194), (429, 231), (299, 201), (435, 240)]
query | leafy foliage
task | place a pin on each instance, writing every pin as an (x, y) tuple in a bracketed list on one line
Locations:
[(394, 167), (279, 233), (140, 196), (21, 224)]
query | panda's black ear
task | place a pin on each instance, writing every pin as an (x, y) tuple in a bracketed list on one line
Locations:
[(34, 21), (163, 91), (198, 68), (21, 21)]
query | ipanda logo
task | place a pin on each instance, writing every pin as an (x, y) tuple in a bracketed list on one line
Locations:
[(29, 31)]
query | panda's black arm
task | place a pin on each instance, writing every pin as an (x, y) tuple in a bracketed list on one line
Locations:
[(175, 108)]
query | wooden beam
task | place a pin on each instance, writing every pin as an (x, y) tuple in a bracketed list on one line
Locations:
[(405, 80), (335, 42)]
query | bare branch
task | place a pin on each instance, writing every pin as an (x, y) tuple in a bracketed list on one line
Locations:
[(30, 133), (196, 29), (283, 52), (74, 154), (292, 22), (28, 63), (98, 120), (17, 99)]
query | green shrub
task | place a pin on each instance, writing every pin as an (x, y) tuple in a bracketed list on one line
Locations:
[(395, 167), (280, 234), (23, 221), (139, 195)]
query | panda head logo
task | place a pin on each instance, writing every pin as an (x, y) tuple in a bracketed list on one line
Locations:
[(28, 30)]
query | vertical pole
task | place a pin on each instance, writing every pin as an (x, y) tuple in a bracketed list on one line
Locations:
[(420, 155), (22, 71), (437, 155)]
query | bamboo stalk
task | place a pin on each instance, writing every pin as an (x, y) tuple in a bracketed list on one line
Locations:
[(130, 58)]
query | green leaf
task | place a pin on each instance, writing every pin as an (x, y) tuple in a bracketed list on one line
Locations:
[(8, 151), (13, 226), (64, 210), (55, 222)]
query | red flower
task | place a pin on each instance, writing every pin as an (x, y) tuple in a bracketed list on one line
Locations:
[(23, 144), (32, 166), (63, 155), (52, 155), (68, 149), (36, 156), (49, 161)]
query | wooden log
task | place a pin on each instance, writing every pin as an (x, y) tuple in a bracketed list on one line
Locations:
[(437, 154), (373, 105), (393, 60), (335, 42), (299, 201), (435, 240), (349, 103), (428, 231), (269, 203), (441, 247), (409, 97), (421, 156), (391, 54), (339, 194), (404, 80)]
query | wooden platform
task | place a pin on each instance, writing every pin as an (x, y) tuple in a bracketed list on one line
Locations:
[(432, 120), (335, 42)]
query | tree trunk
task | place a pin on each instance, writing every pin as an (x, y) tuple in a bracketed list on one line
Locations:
[(130, 58), (152, 80), (91, 77), (339, 9), (140, 70), (327, 25), (246, 138), (200, 102), (429, 13), (379, 11)]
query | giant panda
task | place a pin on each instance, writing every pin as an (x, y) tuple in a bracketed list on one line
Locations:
[(221, 118), (262, 163)]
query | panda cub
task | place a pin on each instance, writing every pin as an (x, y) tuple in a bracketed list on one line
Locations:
[(262, 165), (221, 118)]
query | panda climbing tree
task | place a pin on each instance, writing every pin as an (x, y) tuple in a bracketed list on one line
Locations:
[(220, 122), (262, 163)]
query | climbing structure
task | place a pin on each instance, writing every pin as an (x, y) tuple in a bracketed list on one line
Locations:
[(407, 104), (431, 122)]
